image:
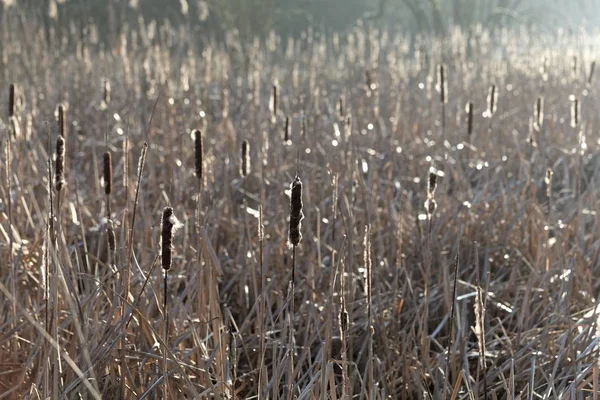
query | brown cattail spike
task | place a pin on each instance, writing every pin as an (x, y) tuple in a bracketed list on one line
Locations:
[(59, 176), (492, 101), (342, 107), (166, 238), (107, 173), (112, 243), (287, 131), (592, 68), (296, 215), (245, 162), (539, 113), (575, 111), (442, 84), (432, 184), (198, 147), (62, 125), (275, 102), (11, 100), (106, 97), (469, 111)]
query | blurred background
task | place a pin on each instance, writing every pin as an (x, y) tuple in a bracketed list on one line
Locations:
[(212, 18)]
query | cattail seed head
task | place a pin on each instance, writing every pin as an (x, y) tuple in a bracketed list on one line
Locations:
[(287, 131), (592, 68), (539, 113), (11, 100), (442, 84), (492, 101), (342, 107), (167, 238), (574, 66), (198, 148), (296, 215), (344, 320), (432, 184), (62, 124), (110, 231), (548, 181), (245, 161), (106, 96), (575, 111), (275, 102), (59, 175), (107, 173), (469, 111)]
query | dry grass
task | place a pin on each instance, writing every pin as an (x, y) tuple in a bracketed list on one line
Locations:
[(374, 274)]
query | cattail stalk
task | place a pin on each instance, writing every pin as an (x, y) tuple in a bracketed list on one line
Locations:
[(591, 76), (451, 329), (168, 226), (294, 238)]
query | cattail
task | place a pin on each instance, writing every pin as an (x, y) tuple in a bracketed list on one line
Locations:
[(539, 113), (369, 81), (296, 215), (261, 226), (59, 175), (303, 127), (442, 84), (469, 111), (592, 68), (106, 97), (62, 124), (275, 101), (107, 173), (167, 238), (430, 203), (198, 147), (344, 319), (287, 131), (110, 230), (574, 66), (548, 181), (492, 101), (432, 184), (575, 111), (245, 161), (341, 107), (11, 100)]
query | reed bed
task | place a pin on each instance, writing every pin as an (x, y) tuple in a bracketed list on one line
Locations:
[(442, 257)]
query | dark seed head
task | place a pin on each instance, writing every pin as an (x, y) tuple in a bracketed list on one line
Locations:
[(11, 100), (107, 173), (59, 176), (167, 238), (198, 147), (296, 215), (245, 161)]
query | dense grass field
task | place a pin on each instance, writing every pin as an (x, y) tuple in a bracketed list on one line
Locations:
[(449, 247)]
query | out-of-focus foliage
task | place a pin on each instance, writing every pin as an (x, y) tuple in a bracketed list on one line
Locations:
[(213, 18)]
